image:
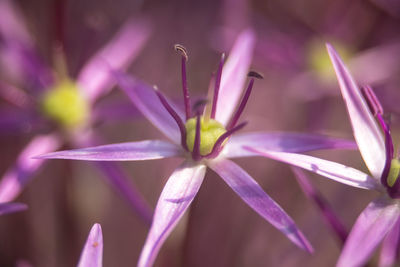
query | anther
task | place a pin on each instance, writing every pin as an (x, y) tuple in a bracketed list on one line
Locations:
[(255, 74), (181, 49), (199, 106)]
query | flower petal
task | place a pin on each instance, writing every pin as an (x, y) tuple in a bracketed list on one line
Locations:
[(370, 228), (280, 141), (92, 253), (143, 150), (12, 24), (365, 128), (16, 121), (95, 78), (20, 174), (6, 208), (17, 50), (234, 75), (178, 193), (329, 169), (251, 193), (147, 101), (390, 247)]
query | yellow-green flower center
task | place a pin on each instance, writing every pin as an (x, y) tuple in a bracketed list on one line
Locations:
[(319, 61), (393, 172), (65, 104), (210, 131)]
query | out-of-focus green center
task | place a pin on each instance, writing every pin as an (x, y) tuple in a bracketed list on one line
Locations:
[(210, 131), (65, 104), (319, 61), (394, 172)]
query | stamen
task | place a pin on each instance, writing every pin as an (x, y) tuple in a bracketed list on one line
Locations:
[(243, 103), (217, 86), (196, 147), (372, 101), (182, 50), (245, 98), (60, 62), (207, 110), (219, 143), (174, 115), (14, 95), (389, 149)]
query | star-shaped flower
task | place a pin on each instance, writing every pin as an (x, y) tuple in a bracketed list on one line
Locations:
[(59, 109), (382, 216), (204, 138)]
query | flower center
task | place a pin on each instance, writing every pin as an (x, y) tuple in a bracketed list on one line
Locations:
[(66, 105), (210, 131), (393, 172), (319, 61)]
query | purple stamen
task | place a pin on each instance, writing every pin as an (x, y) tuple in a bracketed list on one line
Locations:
[(377, 110), (175, 116), (196, 146), (186, 97), (323, 205), (243, 103), (217, 86), (388, 148), (394, 191), (218, 144), (15, 95), (372, 101)]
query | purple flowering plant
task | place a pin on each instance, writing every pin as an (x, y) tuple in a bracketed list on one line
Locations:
[(61, 110), (380, 220), (202, 136)]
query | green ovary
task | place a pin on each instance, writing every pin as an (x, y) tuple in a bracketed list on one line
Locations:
[(210, 131), (394, 172), (65, 104)]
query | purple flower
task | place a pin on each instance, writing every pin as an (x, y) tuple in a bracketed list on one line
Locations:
[(61, 109), (92, 253), (381, 217), (202, 136)]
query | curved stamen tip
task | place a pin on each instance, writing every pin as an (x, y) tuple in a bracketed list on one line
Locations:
[(155, 87), (255, 74), (181, 49)]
